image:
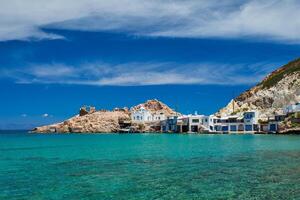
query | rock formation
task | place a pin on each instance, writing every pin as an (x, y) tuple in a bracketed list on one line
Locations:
[(277, 90), (94, 122), (155, 106)]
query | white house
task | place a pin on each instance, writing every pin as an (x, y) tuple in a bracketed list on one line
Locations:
[(251, 121), (158, 116), (144, 115), (246, 122), (292, 108), (196, 122), (141, 115)]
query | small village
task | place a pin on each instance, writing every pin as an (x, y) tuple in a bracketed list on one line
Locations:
[(243, 122), (154, 116)]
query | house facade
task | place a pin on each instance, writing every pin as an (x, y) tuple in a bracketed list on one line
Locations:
[(271, 124), (141, 115), (197, 123), (158, 116), (144, 115), (185, 124), (246, 122), (169, 124), (292, 108)]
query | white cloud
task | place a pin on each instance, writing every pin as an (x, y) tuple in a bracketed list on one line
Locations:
[(46, 115), (268, 19), (135, 74)]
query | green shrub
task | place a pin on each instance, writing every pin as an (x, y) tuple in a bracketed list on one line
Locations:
[(295, 125), (289, 68)]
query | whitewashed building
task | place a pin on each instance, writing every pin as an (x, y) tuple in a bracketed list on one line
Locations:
[(292, 108), (197, 122), (144, 115), (141, 115), (158, 116), (246, 122)]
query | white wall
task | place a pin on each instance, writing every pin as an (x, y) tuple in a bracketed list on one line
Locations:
[(141, 115)]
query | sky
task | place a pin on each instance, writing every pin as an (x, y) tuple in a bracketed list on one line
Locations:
[(56, 56)]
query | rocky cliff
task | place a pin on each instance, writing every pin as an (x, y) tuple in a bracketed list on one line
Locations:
[(95, 122), (278, 89)]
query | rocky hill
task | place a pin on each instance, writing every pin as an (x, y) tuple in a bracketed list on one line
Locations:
[(89, 120), (278, 89), (95, 122), (155, 105)]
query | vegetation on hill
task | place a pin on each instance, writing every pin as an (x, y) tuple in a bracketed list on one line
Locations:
[(279, 74), (277, 90)]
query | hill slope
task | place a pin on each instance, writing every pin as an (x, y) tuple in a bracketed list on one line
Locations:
[(278, 89)]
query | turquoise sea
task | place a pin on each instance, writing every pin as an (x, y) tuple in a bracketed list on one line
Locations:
[(148, 166)]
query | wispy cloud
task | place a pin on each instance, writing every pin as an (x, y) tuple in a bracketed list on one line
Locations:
[(46, 115), (137, 74), (268, 19)]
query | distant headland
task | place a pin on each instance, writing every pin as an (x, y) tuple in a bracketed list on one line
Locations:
[(272, 106)]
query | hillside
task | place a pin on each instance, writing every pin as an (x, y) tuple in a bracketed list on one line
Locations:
[(278, 89)]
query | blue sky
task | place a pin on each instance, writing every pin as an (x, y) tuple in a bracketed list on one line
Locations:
[(193, 55)]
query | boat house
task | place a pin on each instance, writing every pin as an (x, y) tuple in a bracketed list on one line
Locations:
[(246, 122)]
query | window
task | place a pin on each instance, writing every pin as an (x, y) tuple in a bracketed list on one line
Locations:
[(248, 127), (249, 115), (240, 127), (224, 128), (195, 120), (218, 128), (233, 128)]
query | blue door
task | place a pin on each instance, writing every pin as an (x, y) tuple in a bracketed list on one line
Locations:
[(233, 128), (224, 128), (248, 128), (273, 127)]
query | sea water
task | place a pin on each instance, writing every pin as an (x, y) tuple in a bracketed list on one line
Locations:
[(148, 166)]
